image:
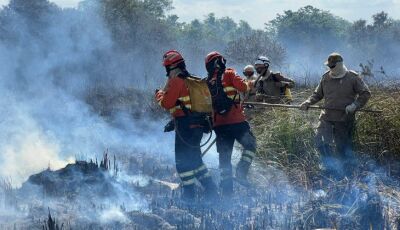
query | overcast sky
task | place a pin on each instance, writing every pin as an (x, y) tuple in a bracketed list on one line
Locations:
[(257, 12)]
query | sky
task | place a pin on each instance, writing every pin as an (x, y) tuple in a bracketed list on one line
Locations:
[(258, 12)]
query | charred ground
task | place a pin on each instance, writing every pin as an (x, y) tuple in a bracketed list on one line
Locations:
[(288, 190)]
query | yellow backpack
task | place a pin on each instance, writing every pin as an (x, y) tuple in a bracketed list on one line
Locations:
[(199, 95)]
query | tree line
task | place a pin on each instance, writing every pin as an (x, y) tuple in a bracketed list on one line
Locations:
[(141, 30)]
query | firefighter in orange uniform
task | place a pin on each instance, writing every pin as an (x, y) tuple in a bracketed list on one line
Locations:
[(229, 120), (188, 132)]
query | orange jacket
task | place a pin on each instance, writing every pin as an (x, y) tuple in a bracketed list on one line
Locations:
[(233, 84), (175, 90)]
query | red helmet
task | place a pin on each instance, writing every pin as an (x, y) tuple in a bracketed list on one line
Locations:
[(172, 57), (212, 56)]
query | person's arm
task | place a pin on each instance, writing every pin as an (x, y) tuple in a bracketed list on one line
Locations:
[(282, 81), (238, 83), (167, 98), (363, 92), (317, 95)]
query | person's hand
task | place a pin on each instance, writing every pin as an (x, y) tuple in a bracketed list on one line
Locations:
[(288, 84), (251, 83), (350, 109), (304, 106), (259, 98), (159, 95)]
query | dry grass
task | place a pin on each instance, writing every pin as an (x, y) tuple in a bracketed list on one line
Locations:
[(286, 137)]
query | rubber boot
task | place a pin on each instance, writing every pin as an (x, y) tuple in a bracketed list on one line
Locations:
[(242, 170), (188, 193), (210, 189), (226, 186)]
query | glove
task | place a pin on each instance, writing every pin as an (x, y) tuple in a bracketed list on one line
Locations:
[(287, 84), (170, 126), (305, 105), (259, 98), (350, 109)]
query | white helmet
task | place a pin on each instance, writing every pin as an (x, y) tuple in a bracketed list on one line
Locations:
[(263, 60), (249, 68)]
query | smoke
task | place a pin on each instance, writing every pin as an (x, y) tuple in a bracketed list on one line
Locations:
[(113, 215), (49, 62)]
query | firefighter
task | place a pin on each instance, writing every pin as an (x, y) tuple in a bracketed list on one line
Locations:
[(341, 89), (272, 87), (229, 123), (249, 73), (188, 131)]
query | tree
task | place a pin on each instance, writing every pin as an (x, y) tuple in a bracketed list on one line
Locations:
[(245, 50), (309, 27)]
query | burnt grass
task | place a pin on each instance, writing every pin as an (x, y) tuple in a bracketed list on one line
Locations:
[(287, 191)]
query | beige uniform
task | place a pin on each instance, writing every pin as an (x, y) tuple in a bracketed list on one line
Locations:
[(338, 93), (271, 88), (250, 96), (335, 126)]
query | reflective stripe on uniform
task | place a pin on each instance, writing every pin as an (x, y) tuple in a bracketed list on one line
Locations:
[(246, 158), (184, 99), (187, 174), (229, 89), (199, 169), (249, 154), (188, 182), (206, 175), (173, 110)]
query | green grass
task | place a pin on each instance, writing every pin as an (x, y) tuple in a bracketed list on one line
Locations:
[(285, 137)]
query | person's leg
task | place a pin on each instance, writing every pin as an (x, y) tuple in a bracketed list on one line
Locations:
[(246, 138), (343, 136), (224, 144), (200, 169), (184, 168), (323, 142), (187, 145)]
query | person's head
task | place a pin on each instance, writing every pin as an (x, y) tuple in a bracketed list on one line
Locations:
[(333, 60), (215, 62), (174, 63), (262, 64), (248, 71)]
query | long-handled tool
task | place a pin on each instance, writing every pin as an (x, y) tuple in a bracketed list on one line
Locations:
[(174, 186), (310, 107)]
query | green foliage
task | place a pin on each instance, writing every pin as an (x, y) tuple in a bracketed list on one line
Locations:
[(308, 26), (378, 40), (134, 21), (32, 9), (245, 50)]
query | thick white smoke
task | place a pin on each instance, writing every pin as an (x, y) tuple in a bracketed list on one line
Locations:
[(46, 70)]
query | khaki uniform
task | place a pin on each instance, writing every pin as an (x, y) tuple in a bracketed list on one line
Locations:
[(271, 88), (335, 126), (251, 95)]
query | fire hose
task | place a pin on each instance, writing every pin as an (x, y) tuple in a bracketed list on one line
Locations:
[(310, 107)]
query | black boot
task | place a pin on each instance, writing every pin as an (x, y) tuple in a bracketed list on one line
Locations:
[(226, 183), (226, 186), (188, 193), (210, 189), (242, 170)]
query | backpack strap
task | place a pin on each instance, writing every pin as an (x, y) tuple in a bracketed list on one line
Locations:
[(185, 110)]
